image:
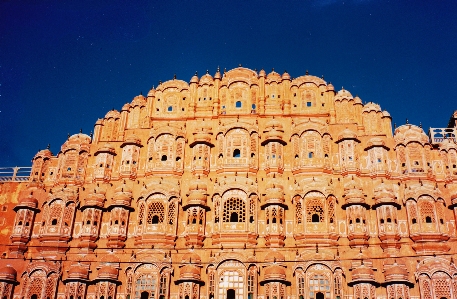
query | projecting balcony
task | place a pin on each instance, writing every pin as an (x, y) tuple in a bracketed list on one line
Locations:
[(438, 135)]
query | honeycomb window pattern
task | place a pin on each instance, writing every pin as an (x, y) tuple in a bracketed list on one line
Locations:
[(156, 213), (234, 210)]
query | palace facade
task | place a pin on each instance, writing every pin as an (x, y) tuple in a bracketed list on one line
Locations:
[(241, 185)]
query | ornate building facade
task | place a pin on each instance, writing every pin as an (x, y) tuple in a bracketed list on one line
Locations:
[(241, 185)]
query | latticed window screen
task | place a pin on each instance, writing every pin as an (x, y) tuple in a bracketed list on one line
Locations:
[(141, 213), (68, 214), (252, 209), (441, 285), (412, 211), (156, 212), (171, 212), (314, 206), (301, 286), (331, 210), (427, 212), (145, 283), (234, 206), (426, 290), (56, 212), (319, 284), (298, 210), (163, 284)]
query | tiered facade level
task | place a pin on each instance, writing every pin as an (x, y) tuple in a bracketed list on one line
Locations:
[(241, 185)]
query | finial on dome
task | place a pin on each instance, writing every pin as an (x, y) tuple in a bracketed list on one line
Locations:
[(207, 72), (420, 125), (68, 135), (141, 92), (225, 70), (307, 73), (322, 77), (342, 87), (49, 146), (255, 70), (218, 69), (273, 69), (174, 77), (285, 71), (80, 130), (239, 65), (395, 125), (196, 73), (160, 82), (407, 121)]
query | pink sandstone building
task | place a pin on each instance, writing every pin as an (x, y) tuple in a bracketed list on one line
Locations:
[(238, 185)]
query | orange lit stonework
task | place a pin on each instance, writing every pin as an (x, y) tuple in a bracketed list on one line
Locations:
[(241, 185)]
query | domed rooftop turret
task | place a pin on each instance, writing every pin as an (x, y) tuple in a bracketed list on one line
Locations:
[(343, 94), (108, 273), (194, 78), (274, 76), (371, 107), (410, 133), (262, 73), (330, 87), (113, 114), (362, 274), (285, 76)]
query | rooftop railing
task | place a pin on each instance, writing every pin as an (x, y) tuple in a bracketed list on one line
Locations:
[(438, 135), (14, 174)]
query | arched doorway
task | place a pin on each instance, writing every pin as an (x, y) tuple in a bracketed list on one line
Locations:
[(230, 294), (144, 295), (320, 295)]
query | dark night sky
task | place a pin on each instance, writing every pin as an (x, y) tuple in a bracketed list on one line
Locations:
[(64, 64)]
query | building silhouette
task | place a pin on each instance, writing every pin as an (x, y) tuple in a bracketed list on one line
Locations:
[(241, 185)]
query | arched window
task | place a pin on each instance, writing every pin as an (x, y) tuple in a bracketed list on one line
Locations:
[(144, 295), (170, 108), (238, 104), (236, 153), (234, 210)]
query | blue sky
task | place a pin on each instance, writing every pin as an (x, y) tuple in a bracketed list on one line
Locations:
[(64, 64)]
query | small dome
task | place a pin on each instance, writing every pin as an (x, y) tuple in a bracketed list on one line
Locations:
[(194, 78), (407, 133), (396, 270), (78, 271), (113, 114), (191, 258), (8, 272), (131, 139), (330, 87), (126, 107), (262, 73), (343, 94), (275, 270), (189, 269), (46, 153), (108, 271), (139, 100), (106, 148), (385, 114), (362, 273), (274, 76), (27, 202), (285, 76), (273, 256), (346, 134), (206, 78), (371, 107), (217, 75), (152, 92), (357, 100)]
